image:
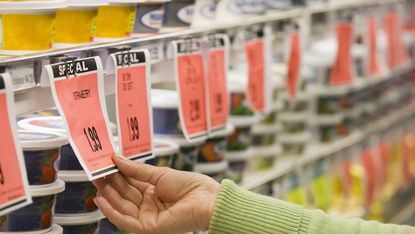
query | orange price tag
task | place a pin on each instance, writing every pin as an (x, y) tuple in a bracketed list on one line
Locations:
[(392, 39), (255, 54), (218, 97), (78, 91), (134, 117), (373, 67), (14, 188), (291, 81), (342, 73), (190, 81), (384, 151), (369, 165)]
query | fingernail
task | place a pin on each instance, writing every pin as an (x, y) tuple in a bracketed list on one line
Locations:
[(96, 202), (119, 156)]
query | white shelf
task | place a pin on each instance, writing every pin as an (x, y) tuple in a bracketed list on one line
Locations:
[(253, 180)]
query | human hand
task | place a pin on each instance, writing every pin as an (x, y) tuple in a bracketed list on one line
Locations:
[(147, 199)]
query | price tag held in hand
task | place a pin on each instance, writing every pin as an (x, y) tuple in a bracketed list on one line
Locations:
[(373, 67), (14, 186), (294, 62), (134, 116), (342, 73), (217, 88), (78, 90), (190, 80), (255, 55)]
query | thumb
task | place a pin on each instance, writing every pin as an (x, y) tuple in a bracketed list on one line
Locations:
[(139, 171)]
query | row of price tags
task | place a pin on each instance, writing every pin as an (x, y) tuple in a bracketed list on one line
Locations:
[(14, 186)]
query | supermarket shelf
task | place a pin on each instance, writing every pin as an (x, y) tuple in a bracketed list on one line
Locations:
[(287, 166), (218, 27)]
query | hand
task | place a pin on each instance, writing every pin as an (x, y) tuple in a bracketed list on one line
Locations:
[(147, 199)]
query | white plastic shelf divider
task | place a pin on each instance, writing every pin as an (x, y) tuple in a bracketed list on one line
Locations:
[(253, 180)]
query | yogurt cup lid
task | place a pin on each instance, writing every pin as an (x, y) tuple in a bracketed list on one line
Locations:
[(37, 140), (244, 121), (238, 155), (78, 219), (56, 229), (164, 98), (266, 151), (50, 124), (73, 176), (181, 141), (87, 3), (26, 6), (49, 189), (210, 168), (223, 132), (165, 147)]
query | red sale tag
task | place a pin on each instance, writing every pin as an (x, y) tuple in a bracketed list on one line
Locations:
[(134, 116), (342, 73), (369, 165), (255, 55), (373, 67), (78, 91), (291, 81), (217, 94), (190, 82), (392, 39), (14, 188)]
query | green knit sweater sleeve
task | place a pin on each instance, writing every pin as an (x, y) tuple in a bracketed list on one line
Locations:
[(241, 211)]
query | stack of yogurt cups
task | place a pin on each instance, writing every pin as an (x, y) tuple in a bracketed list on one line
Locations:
[(41, 152), (239, 151), (75, 209)]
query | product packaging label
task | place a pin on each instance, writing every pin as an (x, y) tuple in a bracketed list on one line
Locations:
[(178, 13), (149, 18), (190, 80), (217, 88), (78, 91), (133, 104), (14, 186), (342, 73)]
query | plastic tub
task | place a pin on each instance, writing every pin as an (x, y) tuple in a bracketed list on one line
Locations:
[(116, 21), (41, 152), (187, 157), (216, 171), (27, 25), (264, 157), (204, 13), (263, 135), (36, 217), (149, 17), (86, 223), (293, 148), (78, 196), (237, 163), (178, 15), (164, 151), (240, 139), (294, 123), (214, 148), (68, 159), (239, 103), (165, 112), (56, 229)]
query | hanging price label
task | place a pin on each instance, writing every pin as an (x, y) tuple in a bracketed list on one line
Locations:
[(217, 88), (373, 67), (14, 188), (134, 116), (78, 91), (392, 39), (291, 81), (342, 73), (369, 165), (190, 80), (255, 56)]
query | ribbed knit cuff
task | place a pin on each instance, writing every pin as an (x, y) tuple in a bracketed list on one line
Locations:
[(241, 211)]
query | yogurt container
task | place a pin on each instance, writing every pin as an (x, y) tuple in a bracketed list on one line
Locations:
[(36, 217), (263, 135), (165, 151), (27, 25), (116, 20), (240, 139), (68, 159), (165, 112), (76, 24), (214, 148), (106, 227), (178, 15), (187, 157), (41, 152), (292, 123), (56, 229), (237, 164), (78, 196), (216, 171), (204, 13), (328, 105), (86, 223), (239, 103), (229, 11), (149, 17), (294, 149)]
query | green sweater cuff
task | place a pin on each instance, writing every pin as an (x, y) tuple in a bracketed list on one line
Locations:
[(241, 211)]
